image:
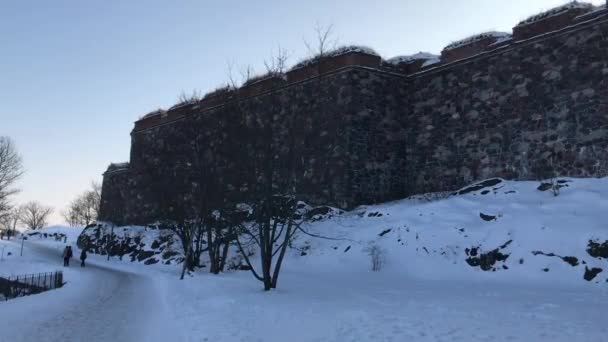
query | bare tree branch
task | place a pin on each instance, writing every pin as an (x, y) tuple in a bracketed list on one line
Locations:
[(11, 169), (324, 42), (84, 209), (35, 215)]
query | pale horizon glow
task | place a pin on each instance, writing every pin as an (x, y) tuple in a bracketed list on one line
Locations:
[(76, 74)]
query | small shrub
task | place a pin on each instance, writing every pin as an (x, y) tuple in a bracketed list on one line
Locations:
[(377, 255)]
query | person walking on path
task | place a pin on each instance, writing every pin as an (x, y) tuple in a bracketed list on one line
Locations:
[(83, 257), (67, 255)]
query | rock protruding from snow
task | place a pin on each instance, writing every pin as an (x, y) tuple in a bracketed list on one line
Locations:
[(570, 260), (591, 273), (556, 11), (492, 184), (598, 249), (322, 213), (487, 260), (149, 245)]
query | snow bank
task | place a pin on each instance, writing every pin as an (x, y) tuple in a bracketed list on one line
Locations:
[(496, 229), (556, 11), (478, 37)]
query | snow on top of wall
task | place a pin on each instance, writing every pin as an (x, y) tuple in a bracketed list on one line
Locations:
[(593, 11), (264, 77), (478, 37), (221, 90), (154, 113), (502, 40), (555, 11), (184, 103), (336, 52), (118, 166), (429, 59)]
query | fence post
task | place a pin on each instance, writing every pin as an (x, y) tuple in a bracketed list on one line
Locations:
[(28, 284)]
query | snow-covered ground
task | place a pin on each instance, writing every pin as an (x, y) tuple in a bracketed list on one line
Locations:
[(431, 287)]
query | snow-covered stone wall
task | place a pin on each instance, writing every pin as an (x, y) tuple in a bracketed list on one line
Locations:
[(348, 139), (364, 134), (550, 20), (527, 111)]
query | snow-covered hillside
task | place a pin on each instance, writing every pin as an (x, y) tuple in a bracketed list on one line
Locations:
[(512, 230)]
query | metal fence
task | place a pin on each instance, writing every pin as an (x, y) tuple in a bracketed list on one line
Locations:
[(24, 285)]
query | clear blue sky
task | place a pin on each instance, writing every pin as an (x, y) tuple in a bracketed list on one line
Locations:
[(74, 75)]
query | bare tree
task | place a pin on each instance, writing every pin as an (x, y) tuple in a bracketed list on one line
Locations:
[(245, 73), (11, 169), (377, 255), (185, 98), (191, 235), (84, 209), (35, 215), (70, 217), (178, 215), (274, 222), (222, 229), (9, 221), (274, 226), (324, 42)]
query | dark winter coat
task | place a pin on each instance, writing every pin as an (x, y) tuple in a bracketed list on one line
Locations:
[(83, 255)]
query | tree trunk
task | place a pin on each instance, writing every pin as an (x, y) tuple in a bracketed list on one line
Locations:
[(211, 251), (224, 255), (186, 262), (277, 266)]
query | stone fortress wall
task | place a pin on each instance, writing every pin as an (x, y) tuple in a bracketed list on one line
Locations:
[(521, 106)]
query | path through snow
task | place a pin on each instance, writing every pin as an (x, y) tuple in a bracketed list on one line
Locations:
[(97, 304)]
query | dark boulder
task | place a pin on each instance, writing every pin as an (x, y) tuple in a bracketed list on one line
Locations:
[(590, 274), (598, 250), (486, 261), (487, 217), (478, 186), (151, 261)]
